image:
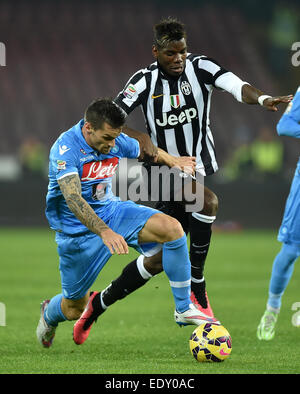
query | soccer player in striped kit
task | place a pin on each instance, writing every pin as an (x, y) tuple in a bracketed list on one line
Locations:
[(174, 93), (289, 232)]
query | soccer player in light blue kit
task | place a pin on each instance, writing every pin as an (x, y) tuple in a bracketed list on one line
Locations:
[(289, 232), (91, 223)]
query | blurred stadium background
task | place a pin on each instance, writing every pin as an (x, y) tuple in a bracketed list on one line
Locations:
[(62, 54)]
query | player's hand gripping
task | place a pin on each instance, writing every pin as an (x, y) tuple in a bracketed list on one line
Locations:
[(186, 164), (115, 242), (272, 102)]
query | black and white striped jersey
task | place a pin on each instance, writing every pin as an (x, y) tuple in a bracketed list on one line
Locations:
[(176, 110)]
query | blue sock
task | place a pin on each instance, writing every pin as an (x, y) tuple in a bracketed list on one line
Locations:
[(53, 313), (282, 271), (177, 266)]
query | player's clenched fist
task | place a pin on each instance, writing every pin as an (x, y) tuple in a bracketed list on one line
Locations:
[(115, 242)]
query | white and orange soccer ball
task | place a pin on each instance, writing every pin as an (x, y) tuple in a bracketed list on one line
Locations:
[(210, 342)]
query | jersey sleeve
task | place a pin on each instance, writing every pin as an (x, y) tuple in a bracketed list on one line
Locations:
[(128, 147), (219, 77), (63, 160), (131, 96), (289, 123), (232, 84), (209, 69)]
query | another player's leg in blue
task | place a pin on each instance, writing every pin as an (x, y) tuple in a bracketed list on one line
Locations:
[(81, 259), (176, 264), (282, 271), (53, 313), (177, 267), (283, 265)]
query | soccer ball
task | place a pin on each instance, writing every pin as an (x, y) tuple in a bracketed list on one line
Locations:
[(210, 342)]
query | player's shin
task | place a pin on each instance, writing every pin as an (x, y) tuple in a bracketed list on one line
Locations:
[(133, 276), (177, 266), (200, 235), (53, 313), (282, 271)]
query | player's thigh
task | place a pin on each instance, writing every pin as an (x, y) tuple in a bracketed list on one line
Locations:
[(129, 219), (160, 228), (290, 227)]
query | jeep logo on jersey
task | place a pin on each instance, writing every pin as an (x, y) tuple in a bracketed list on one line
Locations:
[(185, 116), (99, 169)]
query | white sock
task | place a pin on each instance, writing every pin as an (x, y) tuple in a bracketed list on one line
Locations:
[(271, 309), (198, 280), (142, 270)]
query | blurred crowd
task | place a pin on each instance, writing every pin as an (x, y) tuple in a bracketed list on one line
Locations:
[(62, 54)]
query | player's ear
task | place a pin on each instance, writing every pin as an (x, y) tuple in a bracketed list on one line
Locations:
[(88, 127), (154, 51)]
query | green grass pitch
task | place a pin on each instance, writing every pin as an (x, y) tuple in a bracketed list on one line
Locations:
[(138, 335)]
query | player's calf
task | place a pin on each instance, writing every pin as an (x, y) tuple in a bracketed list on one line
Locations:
[(153, 264), (73, 309)]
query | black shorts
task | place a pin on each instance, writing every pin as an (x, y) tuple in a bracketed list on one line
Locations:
[(165, 189)]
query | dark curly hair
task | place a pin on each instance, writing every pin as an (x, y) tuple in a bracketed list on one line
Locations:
[(168, 30)]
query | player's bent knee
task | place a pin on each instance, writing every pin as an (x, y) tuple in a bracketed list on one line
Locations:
[(290, 251), (161, 228), (171, 229), (211, 203)]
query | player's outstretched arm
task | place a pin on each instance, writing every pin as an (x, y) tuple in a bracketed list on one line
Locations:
[(251, 95), (70, 187)]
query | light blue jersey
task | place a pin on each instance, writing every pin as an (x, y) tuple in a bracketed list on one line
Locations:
[(289, 232), (82, 254), (289, 125), (71, 154)]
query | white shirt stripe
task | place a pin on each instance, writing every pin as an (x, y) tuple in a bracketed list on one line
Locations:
[(180, 130)]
